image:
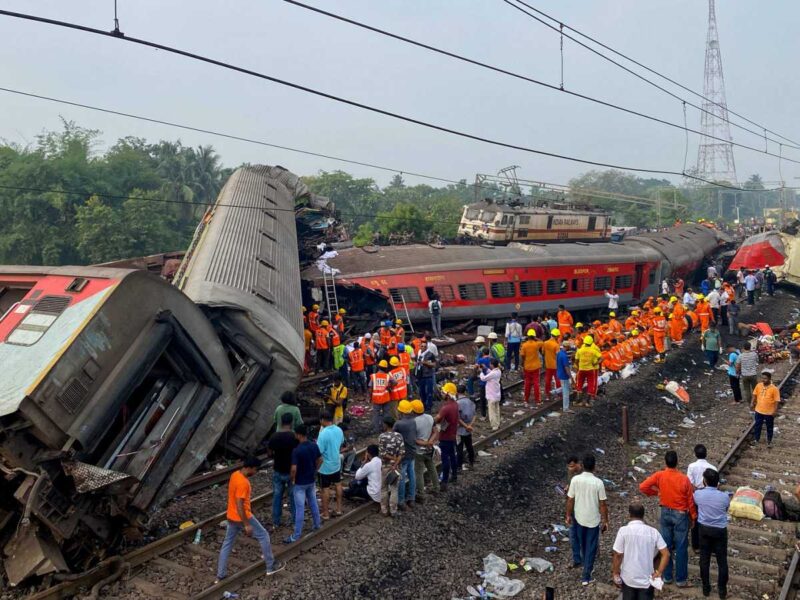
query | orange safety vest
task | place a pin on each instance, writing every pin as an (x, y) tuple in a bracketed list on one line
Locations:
[(338, 323), (612, 360), (384, 335), (380, 387), (676, 327), (391, 346), (369, 352), (644, 344), (626, 351), (615, 326), (321, 338), (694, 318), (416, 343), (400, 333), (565, 321), (405, 362), (659, 326), (631, 323), (313, 321), (400, 389), (356, 358)]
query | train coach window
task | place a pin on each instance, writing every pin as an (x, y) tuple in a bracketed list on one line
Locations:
[(445, 292), (409, 294), (503, 289), (530, 288), (524, 220), (472, 291), (36, 323), (505, 220), (582, 284), (602, 283), (623, 282), (556, 286)]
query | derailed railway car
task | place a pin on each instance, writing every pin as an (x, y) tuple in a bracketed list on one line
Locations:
[(243, 269), (490, 283), (115, 387)]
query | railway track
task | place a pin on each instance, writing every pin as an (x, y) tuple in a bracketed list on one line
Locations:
[(175, 566)]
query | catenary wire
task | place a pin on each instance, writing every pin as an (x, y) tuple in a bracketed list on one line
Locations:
[(527, 79), (367, 107), (655, 72), (635, 74)]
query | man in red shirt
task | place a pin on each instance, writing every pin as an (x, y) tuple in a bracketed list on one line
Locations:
[(447, 419), (678, 513), (240, 517)]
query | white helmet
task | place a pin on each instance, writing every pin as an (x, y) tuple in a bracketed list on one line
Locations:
[(479, 340), (493, 336)]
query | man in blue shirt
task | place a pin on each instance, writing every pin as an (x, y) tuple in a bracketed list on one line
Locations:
[(513, 340), (712, 518), (733, 376), (563, 373), (306, 459), (484, 360), (330, 442)]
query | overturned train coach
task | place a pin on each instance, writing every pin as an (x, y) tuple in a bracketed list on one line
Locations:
[(116, 384), (490, 283)]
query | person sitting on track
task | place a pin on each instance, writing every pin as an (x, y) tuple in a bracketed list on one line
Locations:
[(366, 483)]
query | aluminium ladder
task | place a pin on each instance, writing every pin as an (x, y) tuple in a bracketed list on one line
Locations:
[(331, 301)]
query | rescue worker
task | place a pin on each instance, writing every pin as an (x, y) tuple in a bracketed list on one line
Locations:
[(305, 318), (531, 366), (625, 350), (704, 313), (679, 312), (659, 334), (399, 390), (308, 339), (498, 350), (564, 319), (340, 362), (338, 321), (675, 327), (632, 321), (406, 356), (380, 384), (358, 373), (692, 320), (635, 346), (649, 303), (323, 337), (384, 337), (614, 325), (370, 354), (612, 358), (587, 357), (550, 349), (313, 318), (391, 346), (678, 284), (399, 331)]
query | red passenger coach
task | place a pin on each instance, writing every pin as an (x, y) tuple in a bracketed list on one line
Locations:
[(482, 282)]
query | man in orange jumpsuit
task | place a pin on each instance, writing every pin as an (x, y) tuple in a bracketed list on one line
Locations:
[(550, 348), (564, 318), (632, 322), (531, 365), (659, 334), (313, 319), (676, 325), (613, 324), (703, 311), (626, 351), (612, 359)]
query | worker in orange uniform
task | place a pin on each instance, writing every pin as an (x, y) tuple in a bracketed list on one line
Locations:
[(550, 349), (338, 321), (612, 358), (380, 384), (679, 311), (313, 318), (692, 320), (307, 340), (399, 390), (391, 344), (675, 326), (531, 365), (678, 284), (358, 373), (305, 318), (370, 354), (322, 344), (645, 343), (614, 325), (648, 305), (703, 311), (399, 331), (587, 358), (565, 321), (632, 322), (635, 346), (384, 335), (659, 334), (626, 352)]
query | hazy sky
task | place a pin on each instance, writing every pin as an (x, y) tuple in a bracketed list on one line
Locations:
[(759, 44)]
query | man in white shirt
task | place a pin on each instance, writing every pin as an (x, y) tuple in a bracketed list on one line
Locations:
[(635, 547), (367, 481), (435, 309), (613, 299), (689, 299), (695, 474), (713, 302), (586, 499)]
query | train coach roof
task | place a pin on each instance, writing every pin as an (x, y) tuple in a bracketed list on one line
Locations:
[(355, 262)]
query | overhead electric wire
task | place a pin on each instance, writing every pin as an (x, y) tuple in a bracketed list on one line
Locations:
[(525, 78), (356, 104), (642, 77), (655, 72)]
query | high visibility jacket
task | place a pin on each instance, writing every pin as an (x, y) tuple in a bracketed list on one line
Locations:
[(333, 335), (370, 356), (644, 343), (400, 333), (612, 360), (615, 325), (648, 305), (693, 317), (399, 390), (499, 351), (380, 387), (565, 321), (587, 358), (338, 323), (664, 306), (676, 327), (313, 321), (626, 351), (391, 346), (659, 326), (384, 335), (678, 311), (338, 356), (321, 338), (356, 359), (631, 323), (416, 343), (405, 362), (703, 310)]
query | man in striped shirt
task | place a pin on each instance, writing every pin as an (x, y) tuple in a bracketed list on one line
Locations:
[(747, 369)]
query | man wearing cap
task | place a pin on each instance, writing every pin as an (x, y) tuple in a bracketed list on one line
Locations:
[(513, 340), (313, 318), (380, 384), (531, 365), (399, 389), (447, 419), (399, 331), (587, 357), (632, 322), (338, 321), (425, 474), (550, 349), (407, 427), (659, 334), (497, 349), (613, 324)]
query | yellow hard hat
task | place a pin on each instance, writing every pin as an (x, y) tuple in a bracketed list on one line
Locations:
[(578, 325), (634, 312), (673, 299), (304, 309), (450, 388), (342, 311), (670, 316), (383, 364), (634, 332), (797, 327), (657, 311), (404, 406), (612, 314), (324, 323), (315, 307), (700, 296), (531, 333), (394, 361), (398, 321), (417, 406), (555, 332), (795, 335), (588, 340)]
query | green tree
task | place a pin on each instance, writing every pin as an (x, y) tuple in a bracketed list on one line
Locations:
[(101, 232)]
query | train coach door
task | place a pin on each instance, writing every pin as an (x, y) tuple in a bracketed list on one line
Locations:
[(638, 281)]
